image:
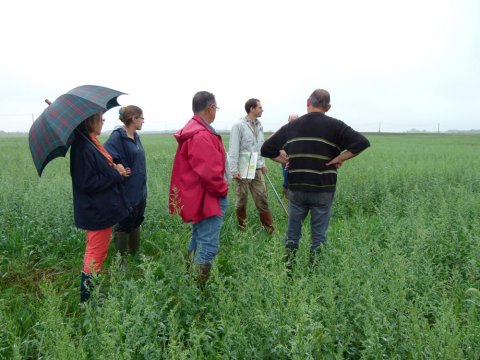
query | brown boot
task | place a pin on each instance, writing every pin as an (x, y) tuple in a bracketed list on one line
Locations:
[(242, 218), (203, 275), (267, 222)]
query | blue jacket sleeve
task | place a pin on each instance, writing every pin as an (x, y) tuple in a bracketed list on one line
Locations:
[(92, 173), (114, 147)]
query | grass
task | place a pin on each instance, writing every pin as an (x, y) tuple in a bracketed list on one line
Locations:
[(399, 279)]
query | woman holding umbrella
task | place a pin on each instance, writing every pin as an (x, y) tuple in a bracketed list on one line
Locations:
[(98, 200), (126, 148)]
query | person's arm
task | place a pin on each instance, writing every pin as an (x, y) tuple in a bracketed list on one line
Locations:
[(282, 158), (234, 151), (92, 173), (114, 147), (272, 148), (209, 164), (338, 160), (351, 142)]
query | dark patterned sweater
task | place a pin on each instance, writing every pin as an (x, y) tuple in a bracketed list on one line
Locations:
[(310, 142)]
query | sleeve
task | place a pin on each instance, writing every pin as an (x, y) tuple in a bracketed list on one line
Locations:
[(272, 146), (352, 140), (261, 140), (91, 175), (234, 149), (115, 148), (209, 164)]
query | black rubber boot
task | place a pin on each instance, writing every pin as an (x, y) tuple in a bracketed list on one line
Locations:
[(134, 241), (121, 240), (86, 287)]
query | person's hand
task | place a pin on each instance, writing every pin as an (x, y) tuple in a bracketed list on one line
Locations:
[(264, 169), (335, 162), (237, 176), (283, 155), (125, 172)]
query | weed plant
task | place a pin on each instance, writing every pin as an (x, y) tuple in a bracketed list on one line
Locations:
[(399, 277)]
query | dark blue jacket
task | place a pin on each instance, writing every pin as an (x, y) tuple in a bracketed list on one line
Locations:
[(98, 200), (130, 154)]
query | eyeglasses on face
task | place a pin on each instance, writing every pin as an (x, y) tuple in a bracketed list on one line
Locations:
[(215, 106)]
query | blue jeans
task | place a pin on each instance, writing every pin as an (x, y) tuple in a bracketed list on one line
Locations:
[(320, 206), (206, 236)]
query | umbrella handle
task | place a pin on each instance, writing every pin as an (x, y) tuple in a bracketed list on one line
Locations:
[(48, 102)]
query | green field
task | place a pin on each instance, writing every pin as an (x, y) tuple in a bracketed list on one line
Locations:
[(399, 279)]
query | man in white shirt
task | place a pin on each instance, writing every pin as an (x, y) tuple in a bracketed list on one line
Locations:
[(247, 137)]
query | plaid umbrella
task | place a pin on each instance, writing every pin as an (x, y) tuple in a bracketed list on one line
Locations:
[(53, 132)]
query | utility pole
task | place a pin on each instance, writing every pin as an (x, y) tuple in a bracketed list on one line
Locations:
[(438, 128), (380, 127)]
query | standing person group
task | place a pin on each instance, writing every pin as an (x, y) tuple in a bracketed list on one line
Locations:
[(109, 183), (247, 137), (314, 146)]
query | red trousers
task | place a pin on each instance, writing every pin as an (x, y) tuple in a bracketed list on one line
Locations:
[(96, 251)]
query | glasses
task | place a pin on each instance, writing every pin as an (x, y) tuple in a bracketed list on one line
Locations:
[(141, 117), (216, 107)]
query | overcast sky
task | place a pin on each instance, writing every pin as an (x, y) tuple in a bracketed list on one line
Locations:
[(389, 65)]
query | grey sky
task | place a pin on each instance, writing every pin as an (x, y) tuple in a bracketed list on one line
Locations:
[(395, 64)]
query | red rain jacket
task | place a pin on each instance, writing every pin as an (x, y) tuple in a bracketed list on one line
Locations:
[(198, 173)]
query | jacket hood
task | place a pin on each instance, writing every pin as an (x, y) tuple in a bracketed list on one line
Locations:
[(195, 125)]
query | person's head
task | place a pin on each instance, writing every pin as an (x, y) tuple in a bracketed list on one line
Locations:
[(292, 117), (319, 101), (131, 116), (205, 106), (254, 109), (93, 125)]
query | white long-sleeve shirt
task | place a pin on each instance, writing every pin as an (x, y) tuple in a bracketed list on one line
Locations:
[(245, 137)]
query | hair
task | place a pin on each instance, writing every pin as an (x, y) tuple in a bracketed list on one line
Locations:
[(201, 100), (292, 117), (127, 113), (320, 99), (251, 103), (89, 123)]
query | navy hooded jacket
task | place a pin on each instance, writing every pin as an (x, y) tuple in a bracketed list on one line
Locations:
[(130, 153), (98, 200)]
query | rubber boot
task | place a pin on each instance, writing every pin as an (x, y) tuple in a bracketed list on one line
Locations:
[(242, 218), (134, 241), (121, 243), (86, 287), (267, 222), (203, 275)]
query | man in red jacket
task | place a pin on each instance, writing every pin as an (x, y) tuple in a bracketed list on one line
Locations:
[(199, 183)]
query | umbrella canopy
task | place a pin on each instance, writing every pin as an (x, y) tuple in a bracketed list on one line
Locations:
[(52, 133)]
